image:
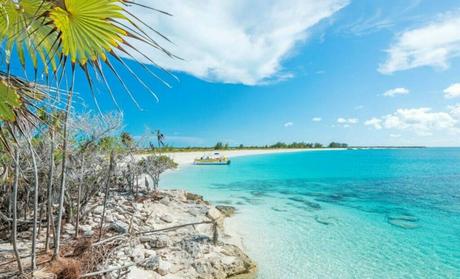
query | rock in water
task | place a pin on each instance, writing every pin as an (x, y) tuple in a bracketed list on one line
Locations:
[(228, 211), (193, 197)]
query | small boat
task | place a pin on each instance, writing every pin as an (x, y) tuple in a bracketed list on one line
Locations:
[(214, 159)]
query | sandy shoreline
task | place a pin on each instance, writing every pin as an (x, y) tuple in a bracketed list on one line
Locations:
[(187, 158)]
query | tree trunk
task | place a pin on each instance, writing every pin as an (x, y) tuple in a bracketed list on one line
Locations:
[(50, 194), (107, 187), (57, 237), (14, 228), (80, 185), (35, 213)]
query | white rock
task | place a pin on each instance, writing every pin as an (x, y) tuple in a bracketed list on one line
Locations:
[(119, 227), (164, 267), (98, 210), (167, 218), (109, 218), (214, 213), (152, 263), (87, 230), (137, 254)]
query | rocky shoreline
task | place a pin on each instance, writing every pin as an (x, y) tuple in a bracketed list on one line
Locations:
[(170, 234)]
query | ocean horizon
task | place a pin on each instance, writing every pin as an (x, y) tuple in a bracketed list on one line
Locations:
[(383, 213)]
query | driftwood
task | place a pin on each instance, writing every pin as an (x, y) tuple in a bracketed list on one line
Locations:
[(154, 231), (110, 269)]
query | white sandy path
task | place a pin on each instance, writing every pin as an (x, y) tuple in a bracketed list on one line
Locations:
[(187, 158)]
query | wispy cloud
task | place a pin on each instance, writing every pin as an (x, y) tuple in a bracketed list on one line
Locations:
[(431, 45), (342, 120), (288, 124), (452, 91), (234, 41), (422, 121), (347, 122), (396, 91), (316, 119)]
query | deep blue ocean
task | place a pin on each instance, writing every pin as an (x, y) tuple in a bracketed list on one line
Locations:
[(388, 213)]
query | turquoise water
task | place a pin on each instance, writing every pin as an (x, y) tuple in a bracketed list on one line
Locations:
[(341, 214)]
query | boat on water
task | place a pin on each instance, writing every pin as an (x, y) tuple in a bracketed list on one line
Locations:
[(213, 159)]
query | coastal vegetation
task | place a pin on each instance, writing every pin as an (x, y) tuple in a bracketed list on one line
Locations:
[(53, 162), (225, 146)]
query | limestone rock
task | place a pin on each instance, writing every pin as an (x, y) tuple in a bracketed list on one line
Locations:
[(214, 214), (119, 227), (87, 230), (164, 267), (159, 242), (167, 218), (152, 263)]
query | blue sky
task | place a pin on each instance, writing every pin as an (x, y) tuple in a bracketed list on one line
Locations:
[(258, 72)]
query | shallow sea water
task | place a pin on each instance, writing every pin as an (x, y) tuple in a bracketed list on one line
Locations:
[(341, 214)]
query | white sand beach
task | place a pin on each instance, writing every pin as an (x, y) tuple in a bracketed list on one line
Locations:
[(187, 158)]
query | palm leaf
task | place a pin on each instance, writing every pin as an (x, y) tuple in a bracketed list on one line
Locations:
[(23, 33)]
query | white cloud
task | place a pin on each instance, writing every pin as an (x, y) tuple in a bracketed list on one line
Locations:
[(374, 122), (396, 91), (233, 41), (288, 124), (452, 91), (347, 122), (342, 120), (316, 119), (395, 135), (422, 121), (430, 45), (455, 111)]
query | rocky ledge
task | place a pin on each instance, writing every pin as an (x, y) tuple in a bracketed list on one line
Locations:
[(172, 234)]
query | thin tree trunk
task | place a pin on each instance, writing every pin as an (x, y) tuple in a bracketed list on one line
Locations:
[(40, 217), (14, 229), (107, 187), (26, 204), (35, 213), (57, 237), (80, 185), (50, 194)]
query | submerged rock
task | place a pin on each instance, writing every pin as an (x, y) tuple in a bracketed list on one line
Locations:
[(325, 220), (403, 221), (227, 210), (310, 204)]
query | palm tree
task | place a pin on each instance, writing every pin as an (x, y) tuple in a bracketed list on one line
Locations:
[(160, 139)]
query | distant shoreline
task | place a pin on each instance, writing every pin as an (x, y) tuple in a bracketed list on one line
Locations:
[(187, 157), (183, 157)]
